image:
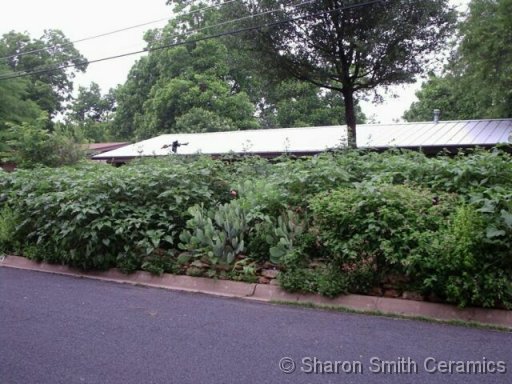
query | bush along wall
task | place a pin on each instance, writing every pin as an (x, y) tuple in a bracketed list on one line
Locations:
[(396, 223)]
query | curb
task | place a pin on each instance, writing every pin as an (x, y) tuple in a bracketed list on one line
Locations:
[(273, 293)]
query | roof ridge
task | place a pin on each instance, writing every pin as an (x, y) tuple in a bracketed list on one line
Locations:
[(238, 131)]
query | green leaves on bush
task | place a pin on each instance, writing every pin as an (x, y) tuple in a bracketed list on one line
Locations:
[(345, 221), (325, 281), (464, 265), (100, 216), (31, 145), (8, 221), (377, 227)]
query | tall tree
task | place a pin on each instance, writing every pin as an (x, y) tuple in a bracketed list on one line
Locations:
[(486, 53), (217, 84), (349, 46), (301, 104), (185, 88), (448, 93), (477, 83), (15, 107), (49, 86), (130, 96), (91, 104), (93, 112), (187, 78)]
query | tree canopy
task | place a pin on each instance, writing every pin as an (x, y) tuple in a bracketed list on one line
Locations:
[(51, 85), (477, 83), (217, 84), (187, 88), (350, 47), (92, 112), (28, 103), (15, 106)]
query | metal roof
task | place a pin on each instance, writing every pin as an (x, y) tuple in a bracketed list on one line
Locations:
[(460, 133), (97, 148), (317, 139), (102, 146)]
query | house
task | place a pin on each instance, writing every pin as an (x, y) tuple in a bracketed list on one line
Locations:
[(431, 137), (97, 148)]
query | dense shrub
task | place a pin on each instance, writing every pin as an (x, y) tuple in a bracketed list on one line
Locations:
[(326, 281), (8, 221), (374, 230), (100, 216), (349, 221), (465, 264), (32, 145)]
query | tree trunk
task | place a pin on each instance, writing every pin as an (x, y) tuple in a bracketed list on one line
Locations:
[(350, 118)]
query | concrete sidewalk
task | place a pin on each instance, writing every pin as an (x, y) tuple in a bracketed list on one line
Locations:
[(273, 293)]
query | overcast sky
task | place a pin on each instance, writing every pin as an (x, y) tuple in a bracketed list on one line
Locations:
[(79, 19)]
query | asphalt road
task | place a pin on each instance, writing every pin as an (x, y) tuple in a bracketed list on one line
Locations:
[(56, 329)]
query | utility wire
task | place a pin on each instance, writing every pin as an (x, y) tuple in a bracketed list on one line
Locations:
[(182, 34), (232, 32), (23, 53), (251, 16)]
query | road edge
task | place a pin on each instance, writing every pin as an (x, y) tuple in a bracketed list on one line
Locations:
[(274, 293)]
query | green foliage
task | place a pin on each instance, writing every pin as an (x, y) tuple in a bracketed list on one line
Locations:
[(90, 104), (30, 145), (272, 238), (486, 55), (14, 106), (306, 178), (302, 104), (465, 265), (215, 85), (350, 50), (201, 120), (48, 89), (259, 196), (187, 98), (183, 89), (324, 279), (289, 229), (130, 97), (377, 228), (93, 112), (218, 233), (341, 222), (100, 216), (477, 82), (8, 222), (158, 262), (450, 95)]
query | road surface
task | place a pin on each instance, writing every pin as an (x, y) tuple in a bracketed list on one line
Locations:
[(57, 329)]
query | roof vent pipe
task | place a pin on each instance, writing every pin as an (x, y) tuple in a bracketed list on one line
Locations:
[(437, 114)]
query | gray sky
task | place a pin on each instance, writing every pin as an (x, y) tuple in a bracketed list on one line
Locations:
[(79, 19)]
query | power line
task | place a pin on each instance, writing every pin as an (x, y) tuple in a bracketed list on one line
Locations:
[(114, 31), (232, 32), (251, 16), (182, 34)]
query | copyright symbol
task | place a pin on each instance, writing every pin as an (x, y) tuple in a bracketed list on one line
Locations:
[(287, 365)]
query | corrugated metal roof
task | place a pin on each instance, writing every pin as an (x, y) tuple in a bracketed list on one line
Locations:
[(318, 139), (443, 134)]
